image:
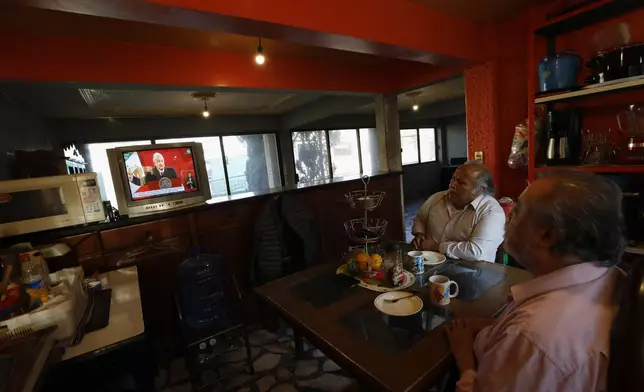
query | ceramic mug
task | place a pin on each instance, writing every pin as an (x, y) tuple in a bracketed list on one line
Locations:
[(416, 261), (439, 292)]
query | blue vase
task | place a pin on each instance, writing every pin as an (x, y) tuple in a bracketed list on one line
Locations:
[(559, 72)]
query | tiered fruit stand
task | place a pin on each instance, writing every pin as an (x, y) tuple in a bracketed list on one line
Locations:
[(364, 264)]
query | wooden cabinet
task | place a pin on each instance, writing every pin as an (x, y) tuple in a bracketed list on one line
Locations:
[(229, 232), (133, 236)]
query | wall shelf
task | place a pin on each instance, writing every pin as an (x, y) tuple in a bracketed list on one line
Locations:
[(595, 168), (635, 82), (587, 16)]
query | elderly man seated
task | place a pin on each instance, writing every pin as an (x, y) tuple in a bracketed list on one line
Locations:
[(567, 230), (465, 222)]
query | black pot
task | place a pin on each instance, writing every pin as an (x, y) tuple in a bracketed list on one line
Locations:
[(617, 63)]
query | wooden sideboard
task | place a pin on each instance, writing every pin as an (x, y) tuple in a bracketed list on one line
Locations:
[(228, 228)]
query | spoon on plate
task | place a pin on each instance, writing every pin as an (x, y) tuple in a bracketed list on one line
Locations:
[(393, 301)]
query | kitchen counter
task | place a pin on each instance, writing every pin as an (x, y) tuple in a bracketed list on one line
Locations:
[(126, 316)]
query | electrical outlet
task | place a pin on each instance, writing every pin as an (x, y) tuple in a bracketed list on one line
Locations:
[(478, 156)]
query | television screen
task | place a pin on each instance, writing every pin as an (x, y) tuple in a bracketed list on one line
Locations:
[(160, 172)]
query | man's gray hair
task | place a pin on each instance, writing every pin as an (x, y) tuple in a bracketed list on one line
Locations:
[(155, 156), (483, 177), (584, 212)]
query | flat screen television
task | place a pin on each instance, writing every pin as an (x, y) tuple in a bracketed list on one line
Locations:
[(159, 177)]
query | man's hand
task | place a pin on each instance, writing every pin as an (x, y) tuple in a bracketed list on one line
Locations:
[(461, 340), (417, 242), (478, 324), (430, 244)]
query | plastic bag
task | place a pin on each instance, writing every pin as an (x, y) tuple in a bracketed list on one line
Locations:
[(519, 152)]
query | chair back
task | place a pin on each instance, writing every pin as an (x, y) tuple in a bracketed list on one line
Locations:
[(626, 368)]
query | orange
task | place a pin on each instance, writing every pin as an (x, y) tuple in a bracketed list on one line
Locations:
[(362, 257), (376, 261)]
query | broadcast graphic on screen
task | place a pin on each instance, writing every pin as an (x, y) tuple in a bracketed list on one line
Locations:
[(160, 172)]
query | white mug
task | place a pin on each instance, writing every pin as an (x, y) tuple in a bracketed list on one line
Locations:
[(417, 263), (439, 290)]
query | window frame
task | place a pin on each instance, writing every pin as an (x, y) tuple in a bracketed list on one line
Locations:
[(436, 128), (328, 147)]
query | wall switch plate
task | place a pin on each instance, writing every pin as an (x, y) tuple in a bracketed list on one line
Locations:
[(478, 156)]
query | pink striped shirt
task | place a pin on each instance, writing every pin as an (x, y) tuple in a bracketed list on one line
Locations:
[(553, 337)]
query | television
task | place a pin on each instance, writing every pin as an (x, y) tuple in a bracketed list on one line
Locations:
[(158, 177)]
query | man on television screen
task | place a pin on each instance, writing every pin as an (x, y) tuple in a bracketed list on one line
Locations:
[(160, 170)]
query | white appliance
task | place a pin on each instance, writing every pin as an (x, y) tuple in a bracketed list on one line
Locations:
[(45, 203)]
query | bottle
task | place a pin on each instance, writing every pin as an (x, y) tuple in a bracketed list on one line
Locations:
[(551, 149), (397, 272), (32, 272)]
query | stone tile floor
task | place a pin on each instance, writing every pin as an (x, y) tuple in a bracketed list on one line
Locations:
[(276, 369)]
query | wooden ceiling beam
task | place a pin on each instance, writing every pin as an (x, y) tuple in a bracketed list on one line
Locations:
[(397, 29), (73, 59), (322, 108)]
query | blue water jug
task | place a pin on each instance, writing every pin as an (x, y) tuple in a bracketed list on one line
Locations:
[(203, 288), (559, 72)]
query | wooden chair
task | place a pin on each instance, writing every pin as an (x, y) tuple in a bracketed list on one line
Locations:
[(502, 257)]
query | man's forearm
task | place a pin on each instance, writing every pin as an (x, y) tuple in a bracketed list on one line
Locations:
[(467, 250), (418, 228)]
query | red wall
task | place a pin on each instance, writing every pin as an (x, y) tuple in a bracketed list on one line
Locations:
[(496, 101)]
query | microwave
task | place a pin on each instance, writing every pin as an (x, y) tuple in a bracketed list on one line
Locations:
[(46, 203)]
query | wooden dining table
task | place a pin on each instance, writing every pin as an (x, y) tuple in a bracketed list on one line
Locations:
[(385, 353)]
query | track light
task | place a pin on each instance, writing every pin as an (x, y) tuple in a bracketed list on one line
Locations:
[(259, 56), (205, 113)]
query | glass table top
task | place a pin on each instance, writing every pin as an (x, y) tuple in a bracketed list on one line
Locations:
[(394, 334), (472, 281)]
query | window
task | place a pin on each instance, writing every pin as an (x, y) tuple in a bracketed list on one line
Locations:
[(427, 144), (324, 154), (100, 165), (345, 157), (369, 150), (311, 155), (214, 161), (252, 163), (409, 145), (418, 145)]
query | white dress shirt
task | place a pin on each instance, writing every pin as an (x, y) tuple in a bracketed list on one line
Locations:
[(473, 233)]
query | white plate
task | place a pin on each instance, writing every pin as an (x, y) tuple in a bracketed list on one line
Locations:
[(433, 258), (404, 307), (384, 289)]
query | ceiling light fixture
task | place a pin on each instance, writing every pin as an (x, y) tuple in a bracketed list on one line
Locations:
[(413, 96), (205, 97), (260, 59)]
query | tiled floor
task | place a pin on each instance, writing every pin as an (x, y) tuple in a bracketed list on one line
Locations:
[(276, 369)]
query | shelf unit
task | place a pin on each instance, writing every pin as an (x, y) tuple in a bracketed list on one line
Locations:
[(587, 16), (633, 83), (583, 17), (595, 168)]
